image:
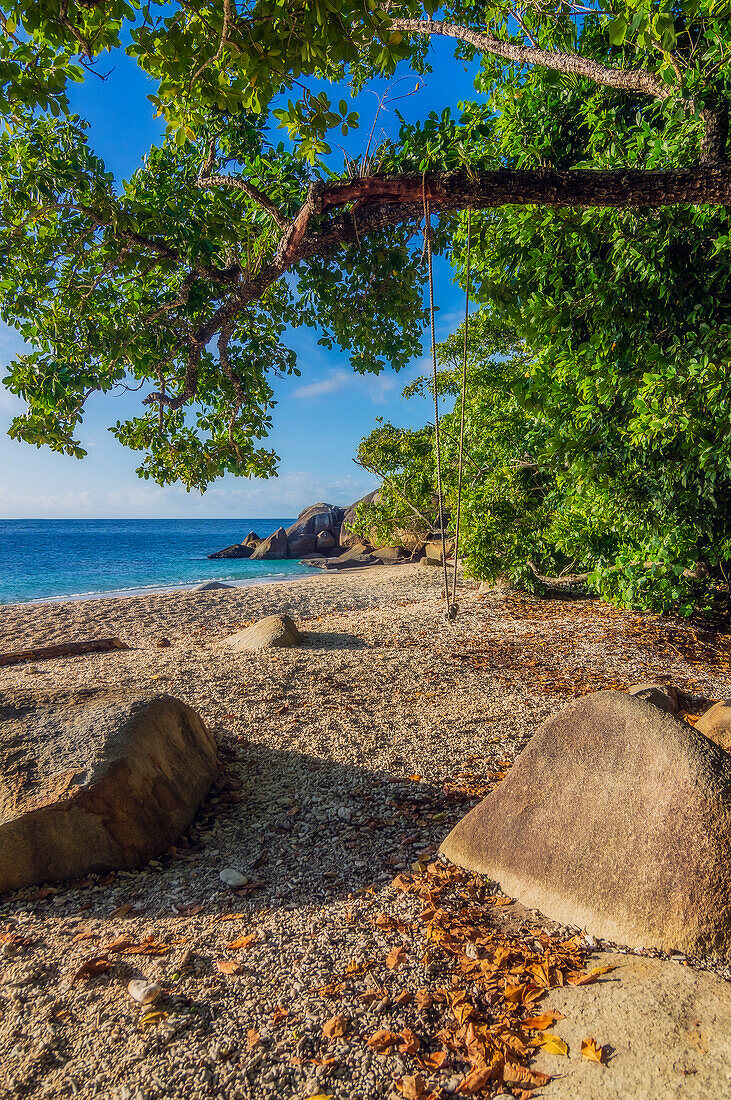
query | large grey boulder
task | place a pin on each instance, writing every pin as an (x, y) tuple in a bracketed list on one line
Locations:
[(388, 554), (616, 818), (97, 782), (316, 518), (211, 586), (299, 545), (273, 548), (433, 551), (238, 550), (347, 537), (667, 1028), (273, 632)]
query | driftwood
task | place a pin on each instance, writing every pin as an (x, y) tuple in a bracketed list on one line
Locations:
[(568, 578), (63, 649), (698, 572)]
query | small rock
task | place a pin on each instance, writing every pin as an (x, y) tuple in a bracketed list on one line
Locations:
[(163, 643), (237, 550), (715, 724), (231, 877), (143, 992), (275, 631), (660, 695)]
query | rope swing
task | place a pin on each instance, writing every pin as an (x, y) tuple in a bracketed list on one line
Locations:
[(450, 596)]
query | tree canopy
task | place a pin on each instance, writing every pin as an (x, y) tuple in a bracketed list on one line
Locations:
[(593, 157), (183, 280)]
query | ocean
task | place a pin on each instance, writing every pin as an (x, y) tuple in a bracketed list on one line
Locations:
[(77, 558)]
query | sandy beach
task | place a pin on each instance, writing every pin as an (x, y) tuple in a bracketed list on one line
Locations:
[(345, 762)]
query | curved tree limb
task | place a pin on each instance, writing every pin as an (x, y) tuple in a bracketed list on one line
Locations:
[(630, 80), (249, 190), (379, 202), (715, 120), (569, 578)]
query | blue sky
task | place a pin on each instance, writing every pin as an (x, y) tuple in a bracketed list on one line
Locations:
[(320, 417)]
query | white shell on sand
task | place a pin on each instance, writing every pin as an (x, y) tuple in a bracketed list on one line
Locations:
[(143, 992), (232, 877)]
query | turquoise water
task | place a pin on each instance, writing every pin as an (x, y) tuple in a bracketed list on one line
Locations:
[(63, 558)]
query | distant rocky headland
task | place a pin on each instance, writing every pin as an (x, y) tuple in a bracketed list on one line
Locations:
[(322, 536)]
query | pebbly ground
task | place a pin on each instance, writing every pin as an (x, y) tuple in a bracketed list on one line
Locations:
[(344, 764)]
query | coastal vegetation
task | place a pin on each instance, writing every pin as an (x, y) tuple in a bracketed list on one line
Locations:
[(594, 160)]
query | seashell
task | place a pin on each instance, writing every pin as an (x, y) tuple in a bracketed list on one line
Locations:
[(144, 992)]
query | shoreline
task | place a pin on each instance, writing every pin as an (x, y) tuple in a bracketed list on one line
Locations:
[(156, 590), (179, 589)]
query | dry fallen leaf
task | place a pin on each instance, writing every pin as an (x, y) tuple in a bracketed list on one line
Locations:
[(336, 1027), (396, 957), (252, 1037), (228, 966), (120, 944), (591, 1050), (553, 1044), (591, 976), (190, 910), (383, 1039), (154, 1017), (433, 1061), (475, 1081), (122, 910), (540, 1023), (413, 1088), (91, 968), (408, 1042), (242, 941), (520, 1075)]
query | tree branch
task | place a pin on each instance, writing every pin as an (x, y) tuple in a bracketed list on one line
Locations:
[(384, 201), (250, 191), (573, 64), (395, 489), (570, 578)]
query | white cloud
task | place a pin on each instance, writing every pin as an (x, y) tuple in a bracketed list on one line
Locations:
[(278, 497), (376, 387), (338, 380), (44, 505)]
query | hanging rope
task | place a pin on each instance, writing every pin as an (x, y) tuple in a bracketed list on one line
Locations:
[(450, 612), (453, 606)]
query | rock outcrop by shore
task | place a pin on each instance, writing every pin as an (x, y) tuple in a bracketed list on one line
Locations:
[(323, 536)]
